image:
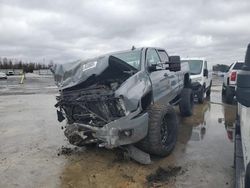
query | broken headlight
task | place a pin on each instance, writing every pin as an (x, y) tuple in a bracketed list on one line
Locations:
[(122, 105)]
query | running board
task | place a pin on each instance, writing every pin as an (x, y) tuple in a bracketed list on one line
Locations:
[(238, 159), (239, 164)]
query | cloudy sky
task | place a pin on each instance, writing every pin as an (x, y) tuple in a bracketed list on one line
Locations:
[(65, 30)]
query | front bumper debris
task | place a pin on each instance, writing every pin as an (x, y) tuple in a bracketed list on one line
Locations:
[(125, 130)]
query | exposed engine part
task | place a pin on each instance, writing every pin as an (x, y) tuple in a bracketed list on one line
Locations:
[(79, 136), (93, 106)]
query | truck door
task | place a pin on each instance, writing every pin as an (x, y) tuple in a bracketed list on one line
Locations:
[(158, 76), (172, 77)]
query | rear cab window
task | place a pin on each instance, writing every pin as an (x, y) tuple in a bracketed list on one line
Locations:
[(238, 66)]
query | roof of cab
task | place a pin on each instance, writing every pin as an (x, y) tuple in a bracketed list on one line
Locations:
[(194, 58)]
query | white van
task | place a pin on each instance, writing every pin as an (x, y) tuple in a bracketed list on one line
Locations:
[(200, 76)]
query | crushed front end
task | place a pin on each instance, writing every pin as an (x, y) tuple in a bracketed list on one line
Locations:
[(96, 110)]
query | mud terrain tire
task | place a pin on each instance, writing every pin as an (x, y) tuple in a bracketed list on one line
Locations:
[(186, 102), (162, 131)]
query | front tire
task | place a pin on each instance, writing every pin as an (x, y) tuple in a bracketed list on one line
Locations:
[(201, 97), (186, 102), (162, 130)]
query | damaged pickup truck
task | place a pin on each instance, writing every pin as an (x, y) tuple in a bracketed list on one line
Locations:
[(124, 98)]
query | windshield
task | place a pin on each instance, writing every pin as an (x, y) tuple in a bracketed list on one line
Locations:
[(133, 58), (195, 66)]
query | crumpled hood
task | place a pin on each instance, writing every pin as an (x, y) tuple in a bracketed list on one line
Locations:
[(71, 74)]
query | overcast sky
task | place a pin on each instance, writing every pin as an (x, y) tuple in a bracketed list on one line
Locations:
[(65, 30)]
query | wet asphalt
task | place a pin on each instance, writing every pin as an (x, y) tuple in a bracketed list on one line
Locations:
[(32, 140)]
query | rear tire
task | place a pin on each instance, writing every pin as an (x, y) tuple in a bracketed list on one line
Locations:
[(187, 102), (162, 131), (229, 96), (223, 92), (209, 90)]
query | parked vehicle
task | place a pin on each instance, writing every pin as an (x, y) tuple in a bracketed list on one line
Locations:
[(201, 77), (3, 75), (124, 98), (221, 74), (242, 139), (10, 73), (229, 82)]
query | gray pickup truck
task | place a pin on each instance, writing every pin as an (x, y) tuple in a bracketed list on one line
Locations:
[(124, 98)]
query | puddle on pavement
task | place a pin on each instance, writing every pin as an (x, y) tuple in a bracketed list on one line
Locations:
[(206, 145), (204, 152)]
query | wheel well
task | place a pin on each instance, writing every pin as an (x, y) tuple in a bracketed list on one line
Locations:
[(146, 100)]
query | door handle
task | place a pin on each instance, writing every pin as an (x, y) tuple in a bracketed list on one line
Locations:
[(165, 74)]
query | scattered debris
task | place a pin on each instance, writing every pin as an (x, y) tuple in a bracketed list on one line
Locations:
[(119, 156), (138, 155), (163, 175), (129, 178), (65, 151), (69, 151)]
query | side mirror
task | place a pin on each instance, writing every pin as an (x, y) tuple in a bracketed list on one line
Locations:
[(152, 68), (174, 63), (205, 72)]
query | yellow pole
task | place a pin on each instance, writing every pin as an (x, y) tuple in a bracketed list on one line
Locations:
[(22, 78)]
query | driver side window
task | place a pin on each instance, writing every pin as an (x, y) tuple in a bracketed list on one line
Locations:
[(152, 57)]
